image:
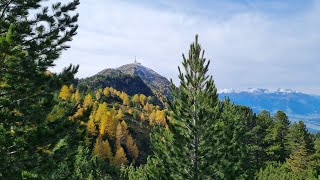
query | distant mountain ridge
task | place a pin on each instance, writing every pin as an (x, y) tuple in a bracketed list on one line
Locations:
[(135, 78), (297, 105), (257, 90)]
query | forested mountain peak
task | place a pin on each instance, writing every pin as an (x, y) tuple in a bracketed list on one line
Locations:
[(157, 83), (144, 80)]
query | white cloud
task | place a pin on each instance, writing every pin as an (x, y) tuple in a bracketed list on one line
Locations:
[(247, 48)]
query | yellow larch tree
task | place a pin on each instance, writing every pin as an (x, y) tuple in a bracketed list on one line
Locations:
[(98, 95), (88, 101), (142, 117), (136, 99), (119, 115), (102, 109), (126, 100), (71, 88), (160, 117), (120, 157), (125, 130), (105, 151), (130, 111), (103, 123), (91, 127), (152, 117), (132, 147), (77, 96), (78, 114), (64, 93), (111, 124), (106, 91), (142, 99), (146, 107), (111, 90), (119, 135), (97, 147)]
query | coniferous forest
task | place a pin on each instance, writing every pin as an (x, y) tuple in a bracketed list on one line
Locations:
[(55, 126)]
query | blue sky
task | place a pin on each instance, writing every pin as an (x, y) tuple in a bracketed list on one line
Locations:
[(251, 43)]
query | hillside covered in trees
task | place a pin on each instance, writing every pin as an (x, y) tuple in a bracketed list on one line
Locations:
[(116, 125)]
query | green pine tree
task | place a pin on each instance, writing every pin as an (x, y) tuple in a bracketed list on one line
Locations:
[(300, 160), (277, 138), (257, 142), (298, 134), (184, 151), (29, 45)]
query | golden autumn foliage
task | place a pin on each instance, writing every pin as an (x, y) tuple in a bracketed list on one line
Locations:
[(126, 100), (146, 107), (120, 157), (160, 117), (98, 95), (64, 93), (88, 101), (106, 127), (71, 88), (152, 117), (111, 124), (142, 99), (91, 127), (136, 99), (105, 151), (125, 130), (106, 91), (142, 117), (103, 123), (77, 96), (119, 135), (120, 114), (78, 114), (97, 147), (102, 109), (132, 147), (111, 90)]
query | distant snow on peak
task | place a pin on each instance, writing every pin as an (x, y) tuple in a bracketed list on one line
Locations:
[(226, 91), (257, 91), (285, 90)]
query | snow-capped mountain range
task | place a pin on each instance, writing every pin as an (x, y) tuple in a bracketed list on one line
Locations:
[(297, 105), (257, 90)]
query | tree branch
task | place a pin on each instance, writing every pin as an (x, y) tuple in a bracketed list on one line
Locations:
[(5, 8)]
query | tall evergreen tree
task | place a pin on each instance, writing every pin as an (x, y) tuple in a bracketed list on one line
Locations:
[(300, 160), (29, 45), (185, 150), (258, 143), (277, 137), (298, 134)]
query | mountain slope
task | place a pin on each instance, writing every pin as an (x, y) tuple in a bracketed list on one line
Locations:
[(118, 80), (297, 105), (157, 83)]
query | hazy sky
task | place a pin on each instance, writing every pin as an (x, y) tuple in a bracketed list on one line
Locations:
[(251, 43)]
